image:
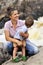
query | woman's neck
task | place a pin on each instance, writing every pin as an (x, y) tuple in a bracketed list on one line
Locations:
[(14, 22)]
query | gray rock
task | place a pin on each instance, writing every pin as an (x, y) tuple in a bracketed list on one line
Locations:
[(29, 7), (4, 55), (33, 60)]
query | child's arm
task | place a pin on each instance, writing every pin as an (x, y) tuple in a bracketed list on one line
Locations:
[(24, 34)]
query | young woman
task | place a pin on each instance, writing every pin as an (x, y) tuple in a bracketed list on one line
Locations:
[(11, 28)]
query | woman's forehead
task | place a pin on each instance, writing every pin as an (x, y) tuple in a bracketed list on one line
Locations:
[(14, 12)]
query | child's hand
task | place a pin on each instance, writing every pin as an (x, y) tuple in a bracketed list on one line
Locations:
[(21, 33), (24, 34)]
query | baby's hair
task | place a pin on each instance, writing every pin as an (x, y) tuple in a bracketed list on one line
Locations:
[(29, 21)]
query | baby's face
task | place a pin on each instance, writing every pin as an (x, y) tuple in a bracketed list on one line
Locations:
[(28, 25)]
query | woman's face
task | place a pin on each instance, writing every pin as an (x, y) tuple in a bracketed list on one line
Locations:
[(14, 15)]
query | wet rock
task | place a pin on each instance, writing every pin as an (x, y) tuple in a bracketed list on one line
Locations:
[(3, 20)]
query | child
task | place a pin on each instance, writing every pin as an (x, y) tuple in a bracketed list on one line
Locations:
[(22, 33), (23, 30)]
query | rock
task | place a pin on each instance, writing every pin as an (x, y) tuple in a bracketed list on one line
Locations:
[(4, 55), (29, 7), (3, 20), (33, 60)]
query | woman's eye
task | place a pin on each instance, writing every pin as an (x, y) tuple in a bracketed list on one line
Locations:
[(14, 14)]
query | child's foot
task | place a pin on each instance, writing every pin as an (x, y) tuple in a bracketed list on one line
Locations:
[(24, 58), (15, 60)]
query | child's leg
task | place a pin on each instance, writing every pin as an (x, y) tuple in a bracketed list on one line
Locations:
[(14, 50), (23, 47), (24, 58), (15, 59)]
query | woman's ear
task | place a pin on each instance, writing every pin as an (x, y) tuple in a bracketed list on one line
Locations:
[(9, 16)]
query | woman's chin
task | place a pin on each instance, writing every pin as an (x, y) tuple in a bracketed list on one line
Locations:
[(16, 19)]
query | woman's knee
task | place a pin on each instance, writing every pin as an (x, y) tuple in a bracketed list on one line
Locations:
[(32, 49), (36, 50)]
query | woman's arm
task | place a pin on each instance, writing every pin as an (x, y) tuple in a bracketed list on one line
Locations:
[(8, 38)]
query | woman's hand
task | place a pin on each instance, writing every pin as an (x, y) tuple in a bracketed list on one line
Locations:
[(19, 43)]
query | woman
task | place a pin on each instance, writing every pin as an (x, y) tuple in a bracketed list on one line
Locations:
[(10, 29)]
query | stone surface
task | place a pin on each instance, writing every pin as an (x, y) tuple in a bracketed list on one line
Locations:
[(33, 60), (28, 7)]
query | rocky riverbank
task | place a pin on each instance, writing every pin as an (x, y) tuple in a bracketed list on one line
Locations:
[(33, 60)]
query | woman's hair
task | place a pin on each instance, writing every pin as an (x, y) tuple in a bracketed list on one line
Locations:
[(10, 10), (29, 21)]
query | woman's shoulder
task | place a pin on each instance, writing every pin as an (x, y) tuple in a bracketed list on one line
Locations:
[(8, 22), (22, 22)]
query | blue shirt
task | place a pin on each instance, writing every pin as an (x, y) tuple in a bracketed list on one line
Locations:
[(21, 29)]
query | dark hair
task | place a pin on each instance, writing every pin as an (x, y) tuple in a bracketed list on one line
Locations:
[(29, 21), (10, 10)]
